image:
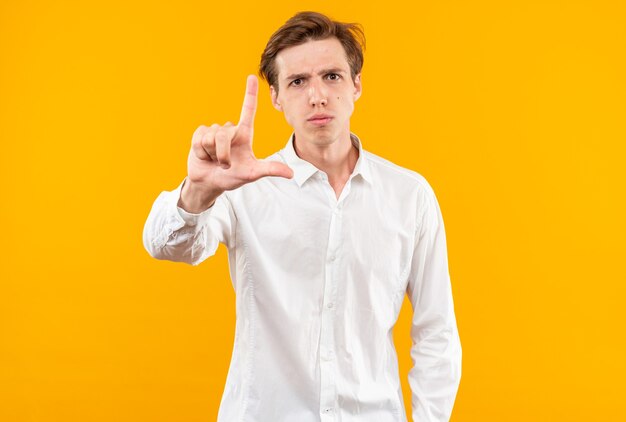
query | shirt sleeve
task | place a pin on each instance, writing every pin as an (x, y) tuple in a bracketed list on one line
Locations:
[(171, 233), (436, 349)]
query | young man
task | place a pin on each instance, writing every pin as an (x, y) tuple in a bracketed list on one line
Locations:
[(321, 252)]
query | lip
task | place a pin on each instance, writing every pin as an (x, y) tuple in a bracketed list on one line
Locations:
[(320, 119)]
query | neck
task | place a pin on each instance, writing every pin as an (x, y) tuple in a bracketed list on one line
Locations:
[(337, 158)]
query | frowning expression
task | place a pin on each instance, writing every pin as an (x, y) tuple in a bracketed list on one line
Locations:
[(316, 91)]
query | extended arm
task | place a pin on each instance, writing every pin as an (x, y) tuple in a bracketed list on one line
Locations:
[(173, 234), (188, 223)]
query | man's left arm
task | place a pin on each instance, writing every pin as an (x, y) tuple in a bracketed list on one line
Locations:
[(436, 349)]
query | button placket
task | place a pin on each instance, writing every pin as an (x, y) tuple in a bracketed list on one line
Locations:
[(328, 394)]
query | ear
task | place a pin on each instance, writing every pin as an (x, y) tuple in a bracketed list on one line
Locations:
[(357, 87), (275, 101)]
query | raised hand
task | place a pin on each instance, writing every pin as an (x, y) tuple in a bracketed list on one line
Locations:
[(221, 158)]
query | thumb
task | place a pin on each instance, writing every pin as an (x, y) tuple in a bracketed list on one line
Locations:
[(273, 168)]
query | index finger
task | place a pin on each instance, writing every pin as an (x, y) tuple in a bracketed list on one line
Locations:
[(249, 102)]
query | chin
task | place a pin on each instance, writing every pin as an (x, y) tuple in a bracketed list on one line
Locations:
[(323, 137), (318, 135)]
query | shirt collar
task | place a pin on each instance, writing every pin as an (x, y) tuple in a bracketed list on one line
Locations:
[(303, 170)]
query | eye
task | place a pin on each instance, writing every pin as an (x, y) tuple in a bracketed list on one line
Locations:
[(333, 76), (296, 82)]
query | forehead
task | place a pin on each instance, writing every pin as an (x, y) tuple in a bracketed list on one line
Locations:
[(311, 57)]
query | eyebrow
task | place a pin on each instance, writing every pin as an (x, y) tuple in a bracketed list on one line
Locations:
[(321, 72)]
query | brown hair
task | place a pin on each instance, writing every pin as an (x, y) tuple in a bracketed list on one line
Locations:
[(312, 26)]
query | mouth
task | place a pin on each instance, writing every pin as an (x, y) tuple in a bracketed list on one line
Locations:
[(320, 120)]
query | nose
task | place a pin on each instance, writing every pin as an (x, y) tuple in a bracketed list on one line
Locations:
[(317, 94)]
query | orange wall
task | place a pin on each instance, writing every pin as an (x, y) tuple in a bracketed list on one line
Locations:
[(514, 111)]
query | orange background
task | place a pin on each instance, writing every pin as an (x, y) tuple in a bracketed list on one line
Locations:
[(514, 112)]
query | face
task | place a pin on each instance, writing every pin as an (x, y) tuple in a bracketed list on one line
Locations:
[(315, 91)]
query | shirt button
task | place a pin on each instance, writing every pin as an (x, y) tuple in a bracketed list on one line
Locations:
[(330, 305), (332, 258)]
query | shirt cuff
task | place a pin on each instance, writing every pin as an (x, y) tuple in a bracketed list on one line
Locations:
[(188, 218), (194, 219)]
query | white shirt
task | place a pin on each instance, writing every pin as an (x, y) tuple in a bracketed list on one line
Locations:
[(319, 284)]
